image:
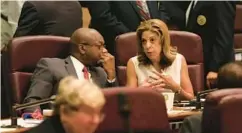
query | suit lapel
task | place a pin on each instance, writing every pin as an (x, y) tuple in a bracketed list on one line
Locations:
[(196, 12), (96, 77), (70, 67), (152, 8), (192, 19), (133, 4)]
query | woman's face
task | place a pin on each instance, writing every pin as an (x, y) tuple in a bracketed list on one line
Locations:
[(151, 44)]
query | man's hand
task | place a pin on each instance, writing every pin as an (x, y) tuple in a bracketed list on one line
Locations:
[(211, 79), (108, 63)]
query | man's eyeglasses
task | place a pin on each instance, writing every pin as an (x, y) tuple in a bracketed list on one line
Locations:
[(98, 46)]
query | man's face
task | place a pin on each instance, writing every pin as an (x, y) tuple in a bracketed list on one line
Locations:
[(84, 120), (94, 48)]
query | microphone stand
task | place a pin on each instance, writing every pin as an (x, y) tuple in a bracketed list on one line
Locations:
[(15, 108), (199, 95), (124, 110)]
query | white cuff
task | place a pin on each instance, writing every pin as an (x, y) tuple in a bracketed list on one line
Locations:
[(111, 81)]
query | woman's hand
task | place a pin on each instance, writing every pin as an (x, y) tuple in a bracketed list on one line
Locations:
[(165, 81), (154, 84), (145, 83)]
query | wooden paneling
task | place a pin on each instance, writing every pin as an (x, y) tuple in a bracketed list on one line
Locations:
[(86, 17)]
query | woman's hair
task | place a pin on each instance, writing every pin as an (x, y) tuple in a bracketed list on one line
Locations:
[(230, 75), (74, 93), (168, 53)]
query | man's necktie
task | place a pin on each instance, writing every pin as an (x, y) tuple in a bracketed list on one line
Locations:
[(143, 9), (85, 73)]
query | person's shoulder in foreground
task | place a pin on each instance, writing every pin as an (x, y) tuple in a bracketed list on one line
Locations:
[(77, 108)]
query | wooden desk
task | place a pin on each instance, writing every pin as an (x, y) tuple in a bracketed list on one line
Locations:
[(178, 116), (26, 124), (16, 130), (180, 113), (175, 118)]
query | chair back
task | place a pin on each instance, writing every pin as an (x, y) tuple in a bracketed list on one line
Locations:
[(147, 111), (211, 115), (25, 52), (188, 44), (230, 116), (238, 33)]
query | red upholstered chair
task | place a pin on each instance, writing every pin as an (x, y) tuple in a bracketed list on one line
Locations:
[(238, 19), (148, 111), (230, 114), (238, 32), (25, 52), (126, 47), (211, 116), (188, 44)]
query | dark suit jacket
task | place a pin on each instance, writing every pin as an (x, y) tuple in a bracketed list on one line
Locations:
[(48, 73), (112, 18), (50, 125), (60, 18), (217, 33), (176, 11)]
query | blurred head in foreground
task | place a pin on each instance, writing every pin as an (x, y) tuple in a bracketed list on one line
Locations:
[(79, 104), (230, 75)]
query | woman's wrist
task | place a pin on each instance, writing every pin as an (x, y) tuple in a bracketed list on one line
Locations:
[(178, 90)]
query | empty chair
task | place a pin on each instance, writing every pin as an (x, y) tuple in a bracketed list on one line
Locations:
[(147, 111), (188, 44), (24, 53)]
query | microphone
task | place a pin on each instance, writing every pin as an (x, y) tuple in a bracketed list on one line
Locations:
[(124, 110), (15, 108), (200, 94)]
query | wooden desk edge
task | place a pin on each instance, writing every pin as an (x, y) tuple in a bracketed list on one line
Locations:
[(182, 115)]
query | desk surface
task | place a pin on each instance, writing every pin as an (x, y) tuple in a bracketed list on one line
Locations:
[(24, 123), (175, 115), (179, 113)]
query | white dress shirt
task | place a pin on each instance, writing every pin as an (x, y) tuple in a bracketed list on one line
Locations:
[(145, 7), (189, 9), (79, 68)]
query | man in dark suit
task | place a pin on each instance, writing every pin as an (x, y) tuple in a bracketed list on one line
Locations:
[(176, 11), (112, 18), (59, 18), (87, 50), (214, 23)]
